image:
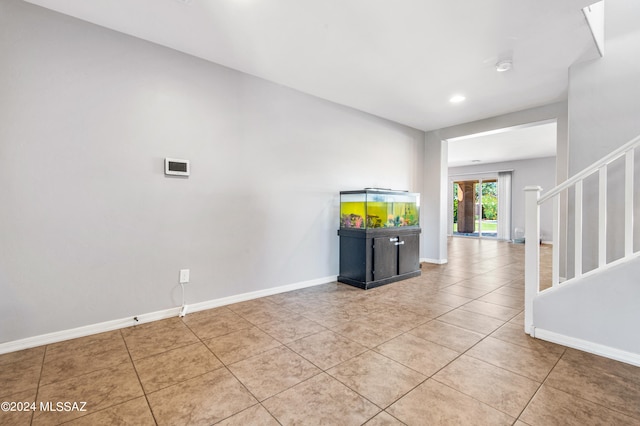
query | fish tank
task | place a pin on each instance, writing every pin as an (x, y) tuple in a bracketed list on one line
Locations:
[(379, 208)]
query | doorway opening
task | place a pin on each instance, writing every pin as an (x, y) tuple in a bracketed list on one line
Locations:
[(475, 207)]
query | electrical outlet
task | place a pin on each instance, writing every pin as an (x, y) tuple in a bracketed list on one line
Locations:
[(184, 276)]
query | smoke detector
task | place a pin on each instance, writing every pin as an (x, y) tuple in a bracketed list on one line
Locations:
[(504, 65)]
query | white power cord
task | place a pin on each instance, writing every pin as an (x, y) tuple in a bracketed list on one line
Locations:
[(183, 310)]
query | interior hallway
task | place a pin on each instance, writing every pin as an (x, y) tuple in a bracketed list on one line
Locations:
[(447, 347)]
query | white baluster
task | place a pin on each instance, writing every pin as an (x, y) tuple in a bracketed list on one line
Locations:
[(578, 230), (628, 203), (531, 254), (555, 263), (602, 217)]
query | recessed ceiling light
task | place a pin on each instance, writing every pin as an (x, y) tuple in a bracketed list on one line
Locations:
[(455, 99), (475, 161), (504, 65)]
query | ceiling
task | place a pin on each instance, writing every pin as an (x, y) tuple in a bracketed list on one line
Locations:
[(521, 143), (401, 60)]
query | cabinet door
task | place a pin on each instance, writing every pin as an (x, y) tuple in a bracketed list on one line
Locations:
[(385, 257), (408, 254), (353, 256)]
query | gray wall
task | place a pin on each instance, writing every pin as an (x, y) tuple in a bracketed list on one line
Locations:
[(91, 230), (539, 172), (601, 308), (435, 199), (433, 206), (604, 110), (604, 106)]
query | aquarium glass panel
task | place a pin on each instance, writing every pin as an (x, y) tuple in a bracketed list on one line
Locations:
[(379, 209), (353, 210)]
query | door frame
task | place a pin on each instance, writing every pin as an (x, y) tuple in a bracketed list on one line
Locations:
[(491, 175)]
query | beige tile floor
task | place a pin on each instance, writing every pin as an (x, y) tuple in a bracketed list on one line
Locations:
[(445, 348)]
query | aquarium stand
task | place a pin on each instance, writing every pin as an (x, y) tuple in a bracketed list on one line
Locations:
[(373, 257)]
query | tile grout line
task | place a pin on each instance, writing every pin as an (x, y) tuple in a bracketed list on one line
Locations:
[(540, 387), (463, 353), (78, 376), (94, 371), (144, 392), (614, 409), (44, 354), (344, 300), (224, 365)]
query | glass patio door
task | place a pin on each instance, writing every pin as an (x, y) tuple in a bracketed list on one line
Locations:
[(475, 208), (487, 208)]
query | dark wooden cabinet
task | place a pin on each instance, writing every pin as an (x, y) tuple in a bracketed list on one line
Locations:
[(379, 236), (385, 258), (409, 254), (374, 257)]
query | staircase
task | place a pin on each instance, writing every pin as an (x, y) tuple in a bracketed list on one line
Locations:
[(595, 306)]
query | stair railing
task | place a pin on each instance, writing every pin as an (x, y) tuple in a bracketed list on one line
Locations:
[(533, 201)]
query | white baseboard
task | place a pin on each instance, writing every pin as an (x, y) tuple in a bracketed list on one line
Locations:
[(209, 304), (59, 336), (586, 346), (436, 261)]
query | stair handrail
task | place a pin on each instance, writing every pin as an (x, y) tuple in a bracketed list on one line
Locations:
[(533, 200), (588, 171)]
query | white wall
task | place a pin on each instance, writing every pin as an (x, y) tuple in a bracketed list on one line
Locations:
[(91, 230), (538, 171)]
